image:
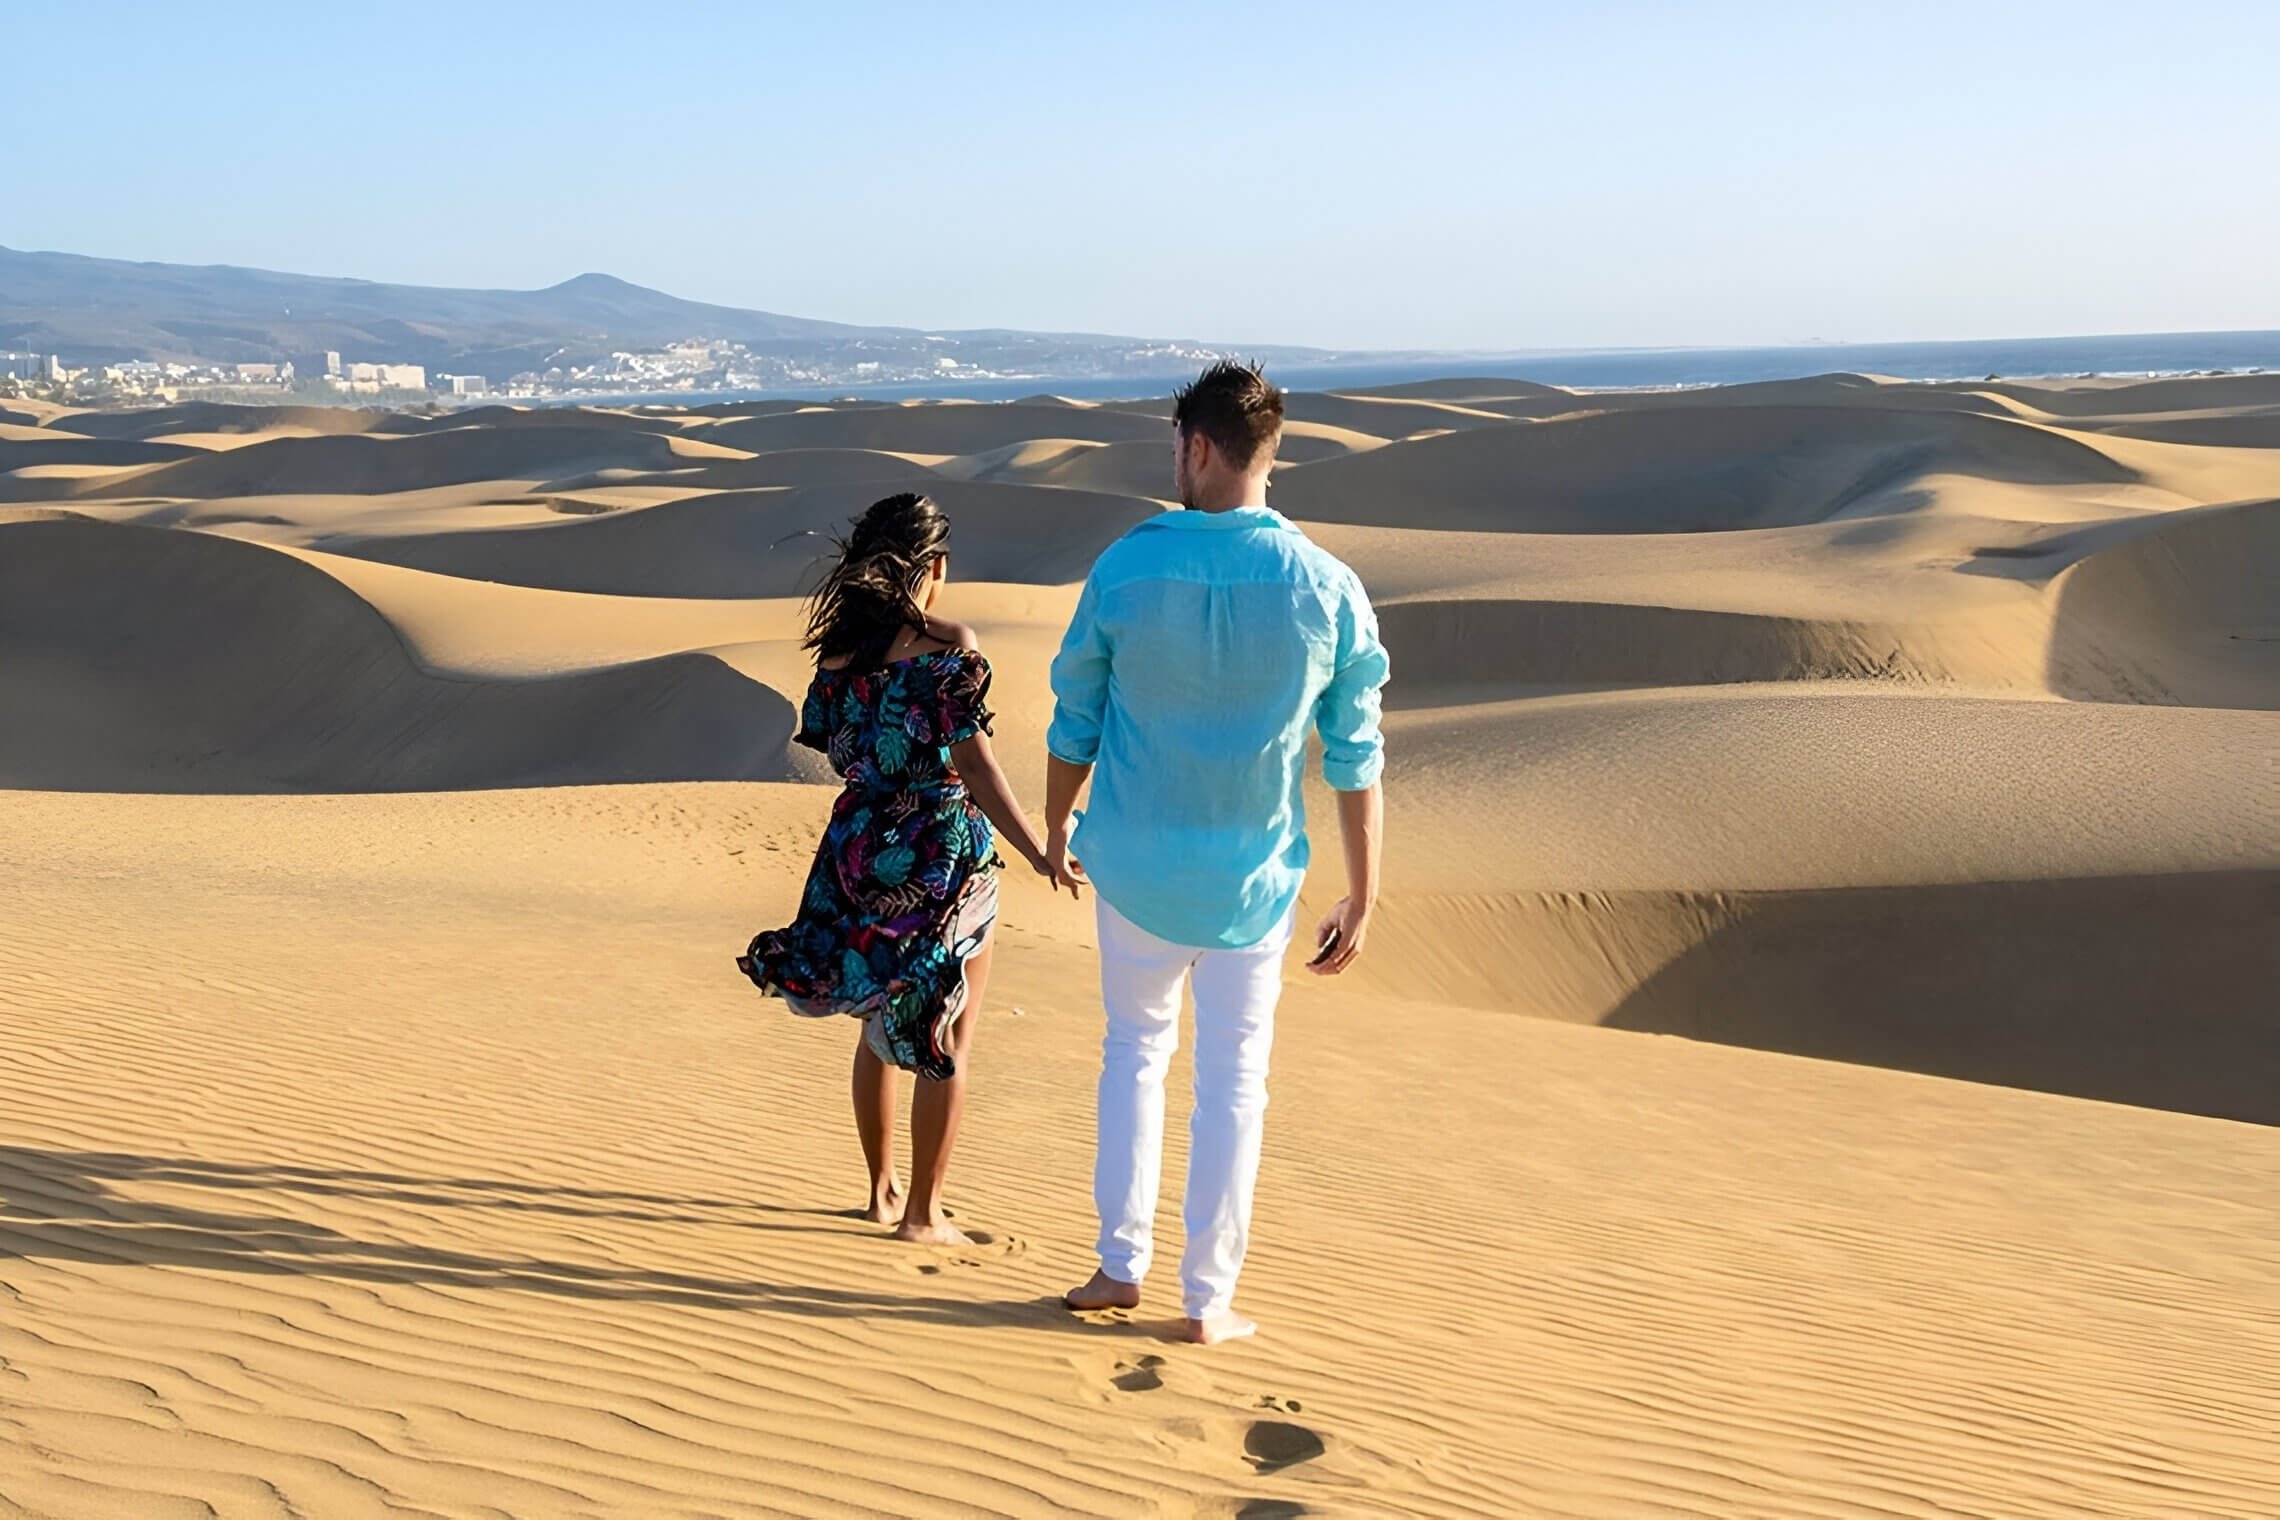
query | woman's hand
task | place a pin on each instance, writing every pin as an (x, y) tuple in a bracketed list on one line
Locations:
[(977, 765), (1055, 863)]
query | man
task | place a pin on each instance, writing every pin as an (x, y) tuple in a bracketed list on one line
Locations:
[(1205, 645)]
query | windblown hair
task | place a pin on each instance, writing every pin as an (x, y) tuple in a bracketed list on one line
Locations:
[(1235, 407), (871, 594)]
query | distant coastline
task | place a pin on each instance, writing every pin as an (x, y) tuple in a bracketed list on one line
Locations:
[(2142, 355)]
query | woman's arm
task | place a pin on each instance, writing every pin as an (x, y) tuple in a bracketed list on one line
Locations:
[(977, 765)]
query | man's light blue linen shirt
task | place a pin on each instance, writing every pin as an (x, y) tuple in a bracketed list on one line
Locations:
[(1204, 646)]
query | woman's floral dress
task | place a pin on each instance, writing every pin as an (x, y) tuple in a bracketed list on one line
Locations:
[(902, 891)]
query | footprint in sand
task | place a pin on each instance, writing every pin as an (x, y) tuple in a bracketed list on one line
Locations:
[(1272, 1445), (1272, 1509), (1142, 1376), (979, 1251)]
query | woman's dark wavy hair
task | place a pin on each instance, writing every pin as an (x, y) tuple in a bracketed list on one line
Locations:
[(871, 594)]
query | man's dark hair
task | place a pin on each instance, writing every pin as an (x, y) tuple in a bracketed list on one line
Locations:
[(1234, 406)]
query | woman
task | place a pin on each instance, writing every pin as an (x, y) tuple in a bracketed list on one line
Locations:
[(895, 925)]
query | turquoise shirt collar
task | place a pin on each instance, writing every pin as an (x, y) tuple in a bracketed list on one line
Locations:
[(1220, 522)]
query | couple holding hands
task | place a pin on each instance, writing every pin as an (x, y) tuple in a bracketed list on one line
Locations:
[(1206, 644)]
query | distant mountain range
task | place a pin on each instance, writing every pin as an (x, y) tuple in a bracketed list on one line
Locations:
[(105, 311)]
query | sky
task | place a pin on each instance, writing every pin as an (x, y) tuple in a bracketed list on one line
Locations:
[(1490, 177)]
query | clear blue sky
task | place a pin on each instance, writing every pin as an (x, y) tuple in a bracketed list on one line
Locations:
[(1487, 176)]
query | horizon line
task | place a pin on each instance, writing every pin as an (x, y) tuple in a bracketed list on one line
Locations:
[(1332, 353)]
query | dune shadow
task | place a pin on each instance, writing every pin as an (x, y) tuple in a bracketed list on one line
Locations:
[(74, 1206), (1570, 644), (147, 660), (2160, 991)]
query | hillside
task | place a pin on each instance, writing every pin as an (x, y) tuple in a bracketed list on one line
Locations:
[(101, 311)]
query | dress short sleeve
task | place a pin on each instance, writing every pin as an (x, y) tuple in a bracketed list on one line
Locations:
[(815, 718), (961, 697)]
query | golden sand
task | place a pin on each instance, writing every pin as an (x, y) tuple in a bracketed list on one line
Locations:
[(383, 1128)]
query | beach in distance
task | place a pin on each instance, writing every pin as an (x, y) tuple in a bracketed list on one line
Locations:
[(1818, 1054), (2134, 356)]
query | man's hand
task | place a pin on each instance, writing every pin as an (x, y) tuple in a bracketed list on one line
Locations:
[(1058, 865), (1361, 821), (1350, 921)]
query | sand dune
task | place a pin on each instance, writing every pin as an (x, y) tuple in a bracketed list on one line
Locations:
[(938, 428), (2047, 984), (1367, 414), (1687, 470), (1139, 468), (2116, 398), (2245, 429), (362, 463), (766, 543), (223, 417), (804, 467), (1570, 643), (419, 1152), (1825, 784), (50, 448), (541, 416), (1462, 390), (1129, 469), (1388, 417), (2184, 613), (141, 660), (1703, 822), (1876, 392), (2038, 609), (755, 408)]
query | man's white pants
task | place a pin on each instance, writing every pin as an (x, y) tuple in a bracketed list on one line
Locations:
[(1235, 996)]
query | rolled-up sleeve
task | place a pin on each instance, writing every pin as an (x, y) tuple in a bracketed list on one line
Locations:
[(1346, 715), (1080, 683)]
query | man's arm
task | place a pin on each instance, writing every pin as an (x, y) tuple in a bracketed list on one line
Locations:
[(1064, 783), (1353, 758), (977, 765), (1080, 701)]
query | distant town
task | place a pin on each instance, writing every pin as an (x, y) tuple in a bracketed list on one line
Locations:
[(695, 367), (49, 376)]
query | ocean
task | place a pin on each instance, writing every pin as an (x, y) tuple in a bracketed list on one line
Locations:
[(1625, 369)]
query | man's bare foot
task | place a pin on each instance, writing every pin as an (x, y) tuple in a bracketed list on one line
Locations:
[(886, 1205), (1226, 1325), (941, 1232), (1102, 1291)]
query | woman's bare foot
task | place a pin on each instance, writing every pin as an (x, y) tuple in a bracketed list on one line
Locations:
[(1226, 1325), (886, 1204), (1102, 1291), (939, 1232)]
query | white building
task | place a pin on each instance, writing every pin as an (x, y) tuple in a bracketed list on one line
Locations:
[(464, 385), (381, 377)]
